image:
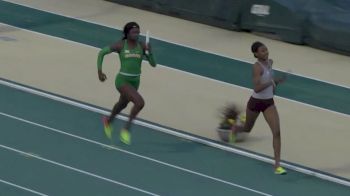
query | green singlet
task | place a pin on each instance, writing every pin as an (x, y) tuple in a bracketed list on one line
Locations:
[(130, 60), (130, 69)]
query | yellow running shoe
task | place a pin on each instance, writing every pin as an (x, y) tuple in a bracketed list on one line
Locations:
[(107, 127), (125, 136), (280, 171)]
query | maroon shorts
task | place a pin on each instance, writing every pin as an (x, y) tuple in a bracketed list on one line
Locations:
[(259, 105)]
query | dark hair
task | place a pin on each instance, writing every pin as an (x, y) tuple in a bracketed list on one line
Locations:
[(128, 27), (255, 47)]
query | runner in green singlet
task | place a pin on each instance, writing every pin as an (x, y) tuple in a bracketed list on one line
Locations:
[(131, 52)]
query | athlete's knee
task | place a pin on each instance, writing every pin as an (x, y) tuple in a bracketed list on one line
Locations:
[(248, 127), (123, 105), (139, 104)]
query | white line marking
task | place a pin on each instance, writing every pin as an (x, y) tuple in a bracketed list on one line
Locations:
[(23, 188), (130, 153), (169, 41), (78, 170)]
